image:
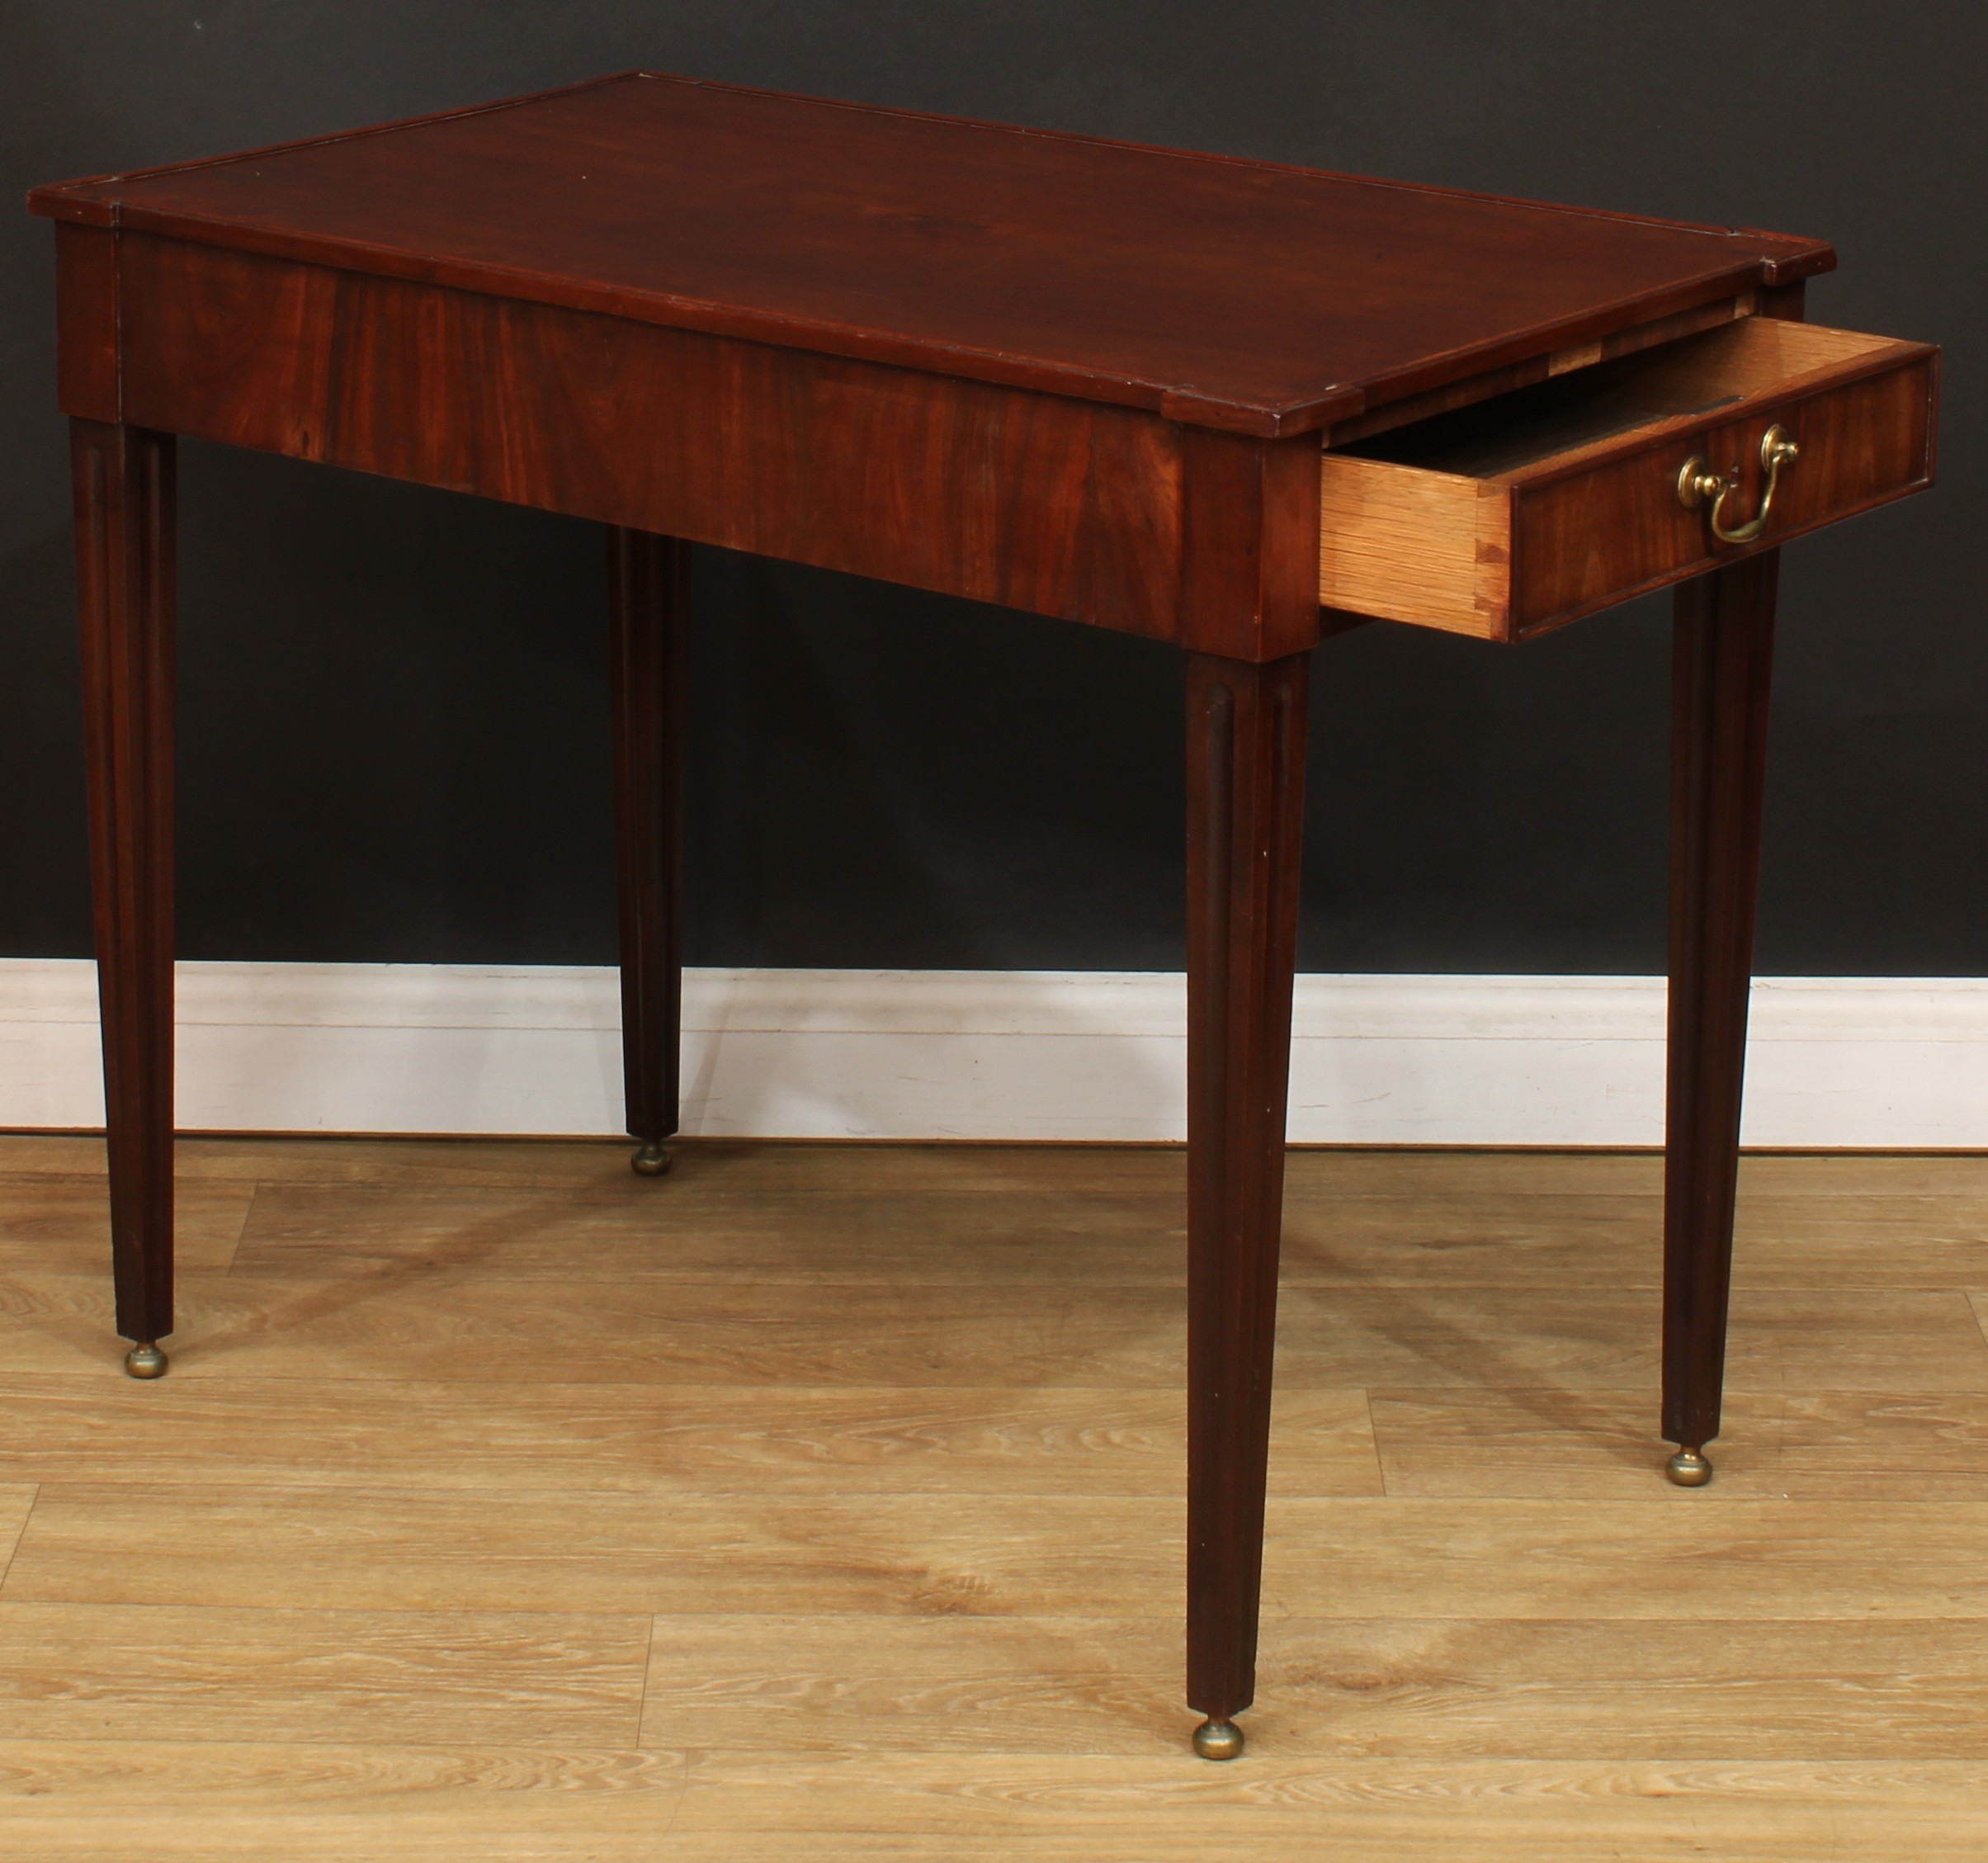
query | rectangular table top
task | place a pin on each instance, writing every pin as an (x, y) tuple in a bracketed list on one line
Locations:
[(1242, 294)]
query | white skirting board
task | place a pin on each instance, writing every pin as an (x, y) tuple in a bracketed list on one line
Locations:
[(1833, 1061)]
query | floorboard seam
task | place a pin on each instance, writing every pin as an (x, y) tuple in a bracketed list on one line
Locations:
[(7, 1566)]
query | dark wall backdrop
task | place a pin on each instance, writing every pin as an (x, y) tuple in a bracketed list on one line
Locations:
[(394, 701)]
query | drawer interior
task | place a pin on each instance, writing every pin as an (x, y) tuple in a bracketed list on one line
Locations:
[(1531, 426)]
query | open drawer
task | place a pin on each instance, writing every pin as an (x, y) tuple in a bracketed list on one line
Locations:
[(1512, 516)]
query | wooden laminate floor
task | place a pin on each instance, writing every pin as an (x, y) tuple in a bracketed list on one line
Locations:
[(825, 1503)]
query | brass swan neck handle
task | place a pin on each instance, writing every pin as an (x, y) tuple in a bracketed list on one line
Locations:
[(1697, 482)]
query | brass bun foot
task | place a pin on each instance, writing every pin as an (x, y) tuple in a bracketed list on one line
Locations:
[(1218, 1740), (145, 1361), (650, 1159), (1688, 1468)]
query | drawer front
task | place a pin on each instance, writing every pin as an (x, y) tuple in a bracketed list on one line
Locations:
[(1596, 534)]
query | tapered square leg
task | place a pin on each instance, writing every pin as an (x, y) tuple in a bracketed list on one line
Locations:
[(646, 582), (123, 482), (1245, 801), (1724, 643)]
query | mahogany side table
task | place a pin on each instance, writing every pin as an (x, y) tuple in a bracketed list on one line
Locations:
[(1226, 404)]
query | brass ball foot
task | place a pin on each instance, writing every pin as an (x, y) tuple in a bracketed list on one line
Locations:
[(650, 1159), (145, 1361), (1218, 1740), (1688, 1468)]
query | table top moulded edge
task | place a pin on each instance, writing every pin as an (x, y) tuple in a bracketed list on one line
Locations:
[(1762, 260)]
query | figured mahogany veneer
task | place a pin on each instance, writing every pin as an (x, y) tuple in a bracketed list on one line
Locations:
[(1226, 404), (1518, 514), (1031, 500)]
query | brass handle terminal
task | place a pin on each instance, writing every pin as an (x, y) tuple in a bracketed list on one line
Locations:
[(1697, 482)]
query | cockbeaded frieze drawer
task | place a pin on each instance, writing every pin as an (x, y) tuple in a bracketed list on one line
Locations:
[(1519, 513)]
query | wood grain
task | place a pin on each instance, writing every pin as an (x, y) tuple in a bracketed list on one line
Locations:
[(1430, 548), (1254, 297), (389, 1617), (381, 1804), (1074, 1810), (1033, 501), (123, 1672), (1914, 1447), (316, 1231), (1499, 1238), (1017, 1336), (933, 1555), (1745, 1690), (49, 1221), (956, 1554), (1585, 1445), (1487, 1238), (366, 1433), (94, 1800), (1465, 1688), (1491, 1237)]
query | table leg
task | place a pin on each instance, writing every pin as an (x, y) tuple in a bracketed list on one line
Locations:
[(1724, 645), (122, 483), (1245, 812), (646, 581)]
